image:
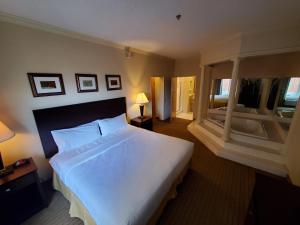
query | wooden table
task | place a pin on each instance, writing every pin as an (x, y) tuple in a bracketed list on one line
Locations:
[(21, 194), (145, 122)]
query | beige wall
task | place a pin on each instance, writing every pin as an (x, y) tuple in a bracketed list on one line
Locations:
[(221, 52), (222, 70), (29, 50), (159, 97), (249, 44), (270, 41), (187, 67), (278, 65)]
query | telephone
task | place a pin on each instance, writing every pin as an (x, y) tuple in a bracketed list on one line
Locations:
[(7, 170), (21, 162), (10, 169)]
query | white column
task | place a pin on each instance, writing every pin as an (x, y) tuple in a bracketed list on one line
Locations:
[(230, 104), (265, 94), (212, 94), (201, 95)]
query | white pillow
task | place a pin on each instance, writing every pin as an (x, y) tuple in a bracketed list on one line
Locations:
[(94, 123), (110, 125), (67, 139)]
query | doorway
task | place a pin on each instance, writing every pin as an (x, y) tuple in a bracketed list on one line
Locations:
[(157, 97), (183, 97)]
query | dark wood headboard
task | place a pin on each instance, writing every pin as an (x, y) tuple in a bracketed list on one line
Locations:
[(73, 115)]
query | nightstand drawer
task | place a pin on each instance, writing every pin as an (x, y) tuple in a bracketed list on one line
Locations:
[(18, 184)]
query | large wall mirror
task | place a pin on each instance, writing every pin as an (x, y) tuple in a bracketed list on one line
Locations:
[(267, 92)]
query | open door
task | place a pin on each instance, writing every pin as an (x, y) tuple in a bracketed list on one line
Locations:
[(153, 98), (173, 97)]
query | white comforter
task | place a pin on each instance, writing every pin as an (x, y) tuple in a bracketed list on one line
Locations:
[(122, 178)]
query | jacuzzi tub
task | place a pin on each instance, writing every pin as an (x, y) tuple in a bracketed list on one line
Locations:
[(243, 126)]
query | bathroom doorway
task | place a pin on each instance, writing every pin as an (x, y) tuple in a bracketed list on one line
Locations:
[(157, 97), (183, 97)]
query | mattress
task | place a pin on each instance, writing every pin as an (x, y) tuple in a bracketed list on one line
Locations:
[(122, 178)]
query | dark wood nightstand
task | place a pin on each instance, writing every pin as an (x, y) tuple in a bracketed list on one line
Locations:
[(21, 194), (145, 123)]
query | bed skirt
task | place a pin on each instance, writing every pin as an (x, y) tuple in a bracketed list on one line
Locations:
[(78, 210), (76, 207)]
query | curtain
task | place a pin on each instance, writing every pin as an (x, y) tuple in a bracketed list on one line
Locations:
[(218, 86), (250, 93)]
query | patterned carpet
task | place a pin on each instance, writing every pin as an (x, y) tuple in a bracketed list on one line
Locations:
[(214, 192)]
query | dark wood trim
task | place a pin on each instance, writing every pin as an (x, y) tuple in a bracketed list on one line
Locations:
[(107, 83), (73, 115), (33, 87), (78, 75)]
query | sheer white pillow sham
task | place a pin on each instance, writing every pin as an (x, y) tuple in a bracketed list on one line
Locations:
[(67, 139), (110, 125)]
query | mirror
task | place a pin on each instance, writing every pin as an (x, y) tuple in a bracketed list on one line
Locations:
[(278, 96), (219, 93), (260, 96), (250, 93), (267, 92)]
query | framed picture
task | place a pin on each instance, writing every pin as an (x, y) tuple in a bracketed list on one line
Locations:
[(113, 82), (46, 84), (86, 82)]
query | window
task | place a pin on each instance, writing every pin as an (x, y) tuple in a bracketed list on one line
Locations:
[(293, 90), (225, 86)]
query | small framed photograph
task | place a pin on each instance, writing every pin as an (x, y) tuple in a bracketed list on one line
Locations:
[(86, 82), (113, 82), (46, 84)]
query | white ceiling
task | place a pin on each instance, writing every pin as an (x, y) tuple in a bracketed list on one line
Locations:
[(150, 25)]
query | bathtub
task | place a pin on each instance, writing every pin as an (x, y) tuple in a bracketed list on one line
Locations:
[(242, 126)]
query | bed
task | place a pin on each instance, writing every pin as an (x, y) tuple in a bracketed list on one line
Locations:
[(219, 101), (125, 177)]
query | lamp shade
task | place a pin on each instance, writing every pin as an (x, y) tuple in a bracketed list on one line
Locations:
[(141, 98), (5, 132)]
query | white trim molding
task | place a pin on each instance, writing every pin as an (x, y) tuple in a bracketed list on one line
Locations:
[(268, 161)]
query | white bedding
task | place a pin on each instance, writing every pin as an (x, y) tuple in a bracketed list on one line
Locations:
[(121, 178)]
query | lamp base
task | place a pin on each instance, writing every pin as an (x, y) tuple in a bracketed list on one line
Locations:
[(142, 111), (5, 171), (1, 162)]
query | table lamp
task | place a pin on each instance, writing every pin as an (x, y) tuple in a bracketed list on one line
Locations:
[(141, 99), (5, 134)]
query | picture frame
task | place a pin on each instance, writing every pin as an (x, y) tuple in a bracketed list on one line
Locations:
[(46, 84), (86, 82), (113, 82)]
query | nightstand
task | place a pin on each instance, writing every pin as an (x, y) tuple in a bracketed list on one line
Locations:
[(21, 194), (145, 123)]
